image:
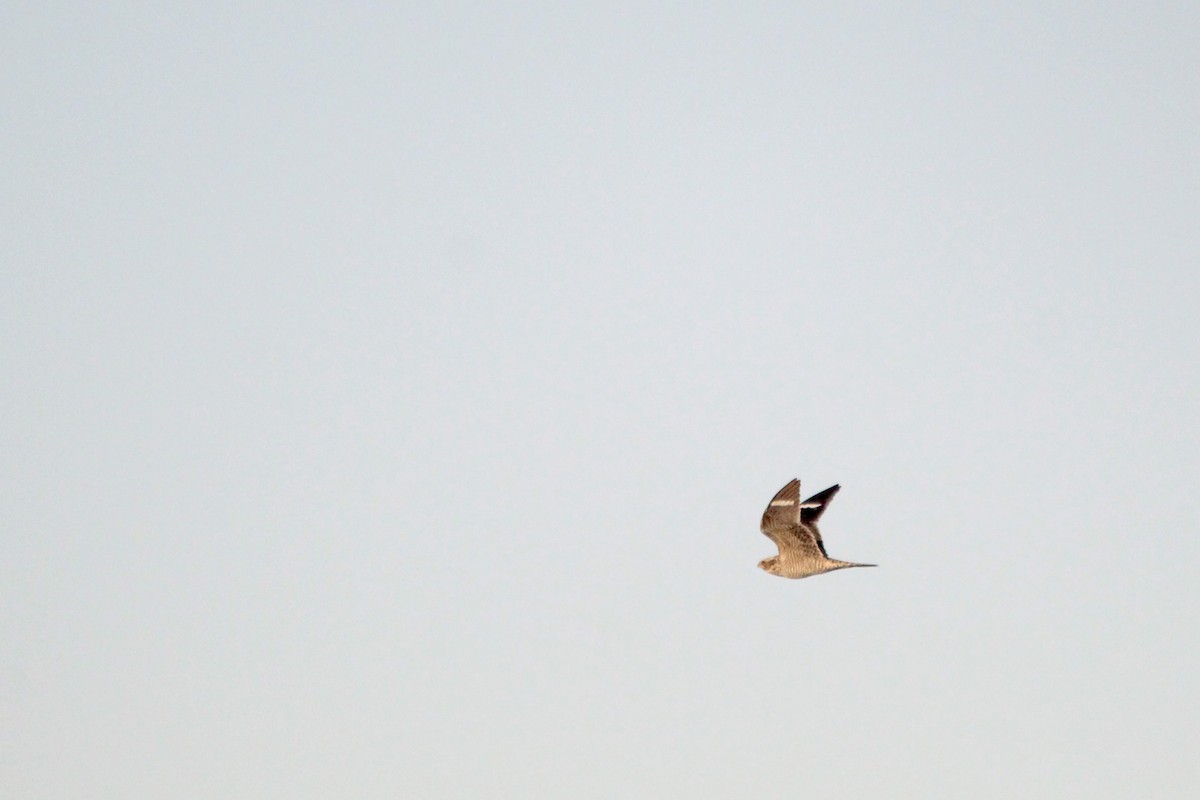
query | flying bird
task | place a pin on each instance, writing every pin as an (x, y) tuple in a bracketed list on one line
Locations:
[(792, 526)]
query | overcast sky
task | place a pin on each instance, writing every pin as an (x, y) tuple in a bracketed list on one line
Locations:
[(390, 395)]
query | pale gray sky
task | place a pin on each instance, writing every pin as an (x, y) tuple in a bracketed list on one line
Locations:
[(390, 396)]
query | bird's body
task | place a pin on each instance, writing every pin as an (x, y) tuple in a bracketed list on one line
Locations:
[(792, 526)]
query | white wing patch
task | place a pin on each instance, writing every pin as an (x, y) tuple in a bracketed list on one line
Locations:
[(783, 503)]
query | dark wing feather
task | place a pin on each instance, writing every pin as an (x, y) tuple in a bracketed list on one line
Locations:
[(815, 506)]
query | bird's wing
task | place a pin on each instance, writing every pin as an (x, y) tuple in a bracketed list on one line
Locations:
[(784, 508), (812, 508), (782, 522)]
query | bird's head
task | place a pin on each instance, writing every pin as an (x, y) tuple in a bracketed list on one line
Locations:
[(770, 565)]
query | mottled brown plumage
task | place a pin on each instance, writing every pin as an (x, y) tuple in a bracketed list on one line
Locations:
[(792, 526)]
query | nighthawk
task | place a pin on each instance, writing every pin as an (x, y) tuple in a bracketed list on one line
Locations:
[(792, 526)]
